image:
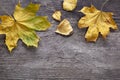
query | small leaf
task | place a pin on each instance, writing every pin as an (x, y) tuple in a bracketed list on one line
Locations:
[(57, 15), (97, 22), (23, 25), (64, 28), (69, 5)]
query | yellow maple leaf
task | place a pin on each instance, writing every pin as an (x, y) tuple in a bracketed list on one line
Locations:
[(22, 25), (97, 22)]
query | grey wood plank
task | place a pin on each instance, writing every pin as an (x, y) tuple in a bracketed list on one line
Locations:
[(63, 58)]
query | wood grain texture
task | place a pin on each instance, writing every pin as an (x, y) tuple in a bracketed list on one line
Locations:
[(63, 58)]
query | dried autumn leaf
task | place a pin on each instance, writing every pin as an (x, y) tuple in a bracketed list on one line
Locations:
[(69, 5), (57, 15), (23, 25), (97, 22), (64, 28)]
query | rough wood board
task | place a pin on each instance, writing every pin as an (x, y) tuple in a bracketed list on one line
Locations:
[(63, 58)]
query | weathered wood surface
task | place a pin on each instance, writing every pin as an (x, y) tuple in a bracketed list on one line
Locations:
[(63, 58)]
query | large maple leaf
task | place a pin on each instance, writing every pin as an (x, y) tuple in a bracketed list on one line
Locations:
[(97, 22), (22, 25)]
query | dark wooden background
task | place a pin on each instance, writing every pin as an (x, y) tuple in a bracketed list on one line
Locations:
[(63, 58)]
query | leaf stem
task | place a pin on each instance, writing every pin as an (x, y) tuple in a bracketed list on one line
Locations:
[(91, 2), (104, 4), (14, 18)]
